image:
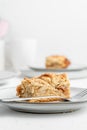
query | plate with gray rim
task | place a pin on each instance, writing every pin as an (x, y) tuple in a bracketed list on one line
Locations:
[(52, 107), (72, 67)]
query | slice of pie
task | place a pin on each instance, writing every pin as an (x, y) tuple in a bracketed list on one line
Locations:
[(57, 62), (45, 85)]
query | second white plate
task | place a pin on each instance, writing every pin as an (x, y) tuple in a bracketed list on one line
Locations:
[(72, 67)]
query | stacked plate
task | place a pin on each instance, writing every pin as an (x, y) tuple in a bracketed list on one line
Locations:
[(75, 71), (6, 75)]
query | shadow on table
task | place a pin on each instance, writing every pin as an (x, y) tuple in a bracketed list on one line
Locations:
[(6, 112)]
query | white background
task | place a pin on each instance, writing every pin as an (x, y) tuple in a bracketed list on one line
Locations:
[(60, 26)]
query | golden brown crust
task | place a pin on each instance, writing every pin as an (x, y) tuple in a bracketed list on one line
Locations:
[(45, 85), (57, 62)]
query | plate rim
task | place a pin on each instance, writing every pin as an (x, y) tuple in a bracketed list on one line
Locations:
[(82, 67)]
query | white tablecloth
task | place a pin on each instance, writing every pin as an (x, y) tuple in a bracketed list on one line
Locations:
[(12, 120)]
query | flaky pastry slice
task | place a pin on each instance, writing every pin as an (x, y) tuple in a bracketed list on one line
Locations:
[(45, 85), (57, 62)]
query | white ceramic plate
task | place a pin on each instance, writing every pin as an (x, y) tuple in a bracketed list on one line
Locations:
[(72, 67), (55, 107), (72, 75), (6, 75)]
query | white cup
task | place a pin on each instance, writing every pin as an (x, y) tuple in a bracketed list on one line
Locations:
[(22, 52), (2, 56)]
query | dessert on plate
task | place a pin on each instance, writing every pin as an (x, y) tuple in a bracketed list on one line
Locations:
[(48, 84), (57, 62)]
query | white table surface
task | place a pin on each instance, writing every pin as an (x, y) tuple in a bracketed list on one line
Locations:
[(12, 120)]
